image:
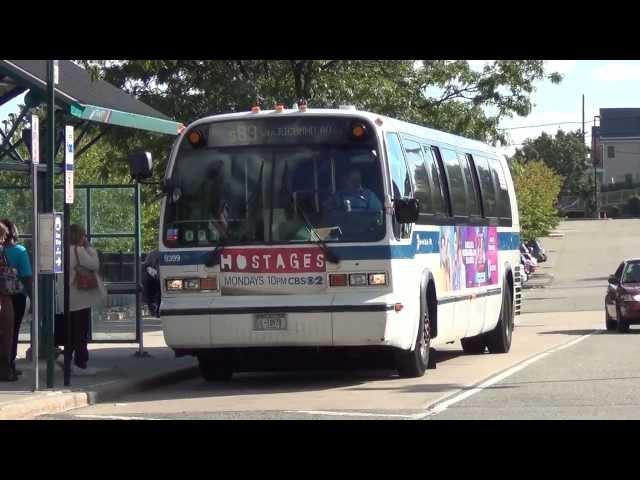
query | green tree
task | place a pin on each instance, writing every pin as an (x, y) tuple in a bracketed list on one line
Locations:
[(566, 154), (537, 188), (444, 94)]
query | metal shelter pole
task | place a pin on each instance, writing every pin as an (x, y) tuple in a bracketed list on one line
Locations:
[(68, 200), (35, 235), (137, 254), (48, 291)]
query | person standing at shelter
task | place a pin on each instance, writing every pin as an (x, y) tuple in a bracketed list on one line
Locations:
[(151, 282), (86, 290), (18, 258), (7, 374)]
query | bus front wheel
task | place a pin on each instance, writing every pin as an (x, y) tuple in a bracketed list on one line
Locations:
[(215, 366), (413, 363), (499, 339)]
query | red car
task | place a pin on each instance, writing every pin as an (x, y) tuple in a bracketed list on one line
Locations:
[(622, 302)]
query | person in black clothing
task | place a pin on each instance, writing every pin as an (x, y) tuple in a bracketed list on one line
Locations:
[(7, 374), (18, 258), (151, 282)]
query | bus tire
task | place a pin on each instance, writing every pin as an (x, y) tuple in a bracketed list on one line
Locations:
[(215, 366), (414, 363), (474, 345), (499, 339)]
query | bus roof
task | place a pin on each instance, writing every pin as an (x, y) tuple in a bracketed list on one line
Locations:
[(388, 123)]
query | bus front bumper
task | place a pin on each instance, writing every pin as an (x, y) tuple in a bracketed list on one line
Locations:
[(311, 322)]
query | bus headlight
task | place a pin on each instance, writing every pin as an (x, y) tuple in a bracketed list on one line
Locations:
[(174, 284), (358, 279), (377, 279), (191, 284), (205, 284)]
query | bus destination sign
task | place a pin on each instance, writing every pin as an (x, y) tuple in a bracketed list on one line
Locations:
[(279, 131)]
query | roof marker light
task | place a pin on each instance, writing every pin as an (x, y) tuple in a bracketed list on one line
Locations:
[(379, 121), (196, 138)]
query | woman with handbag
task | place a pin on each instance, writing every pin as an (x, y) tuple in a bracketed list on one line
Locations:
[(18, 258), (7, 374), (86, 290)]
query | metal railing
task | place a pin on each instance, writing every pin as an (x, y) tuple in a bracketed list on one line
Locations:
[(574, 203)]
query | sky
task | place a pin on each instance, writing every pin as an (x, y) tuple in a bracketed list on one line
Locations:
[(605, 84)]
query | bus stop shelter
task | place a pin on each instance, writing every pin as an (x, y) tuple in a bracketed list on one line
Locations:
[(88, 105)]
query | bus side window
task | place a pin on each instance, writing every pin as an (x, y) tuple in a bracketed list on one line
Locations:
[(438, 171), (437, 193), (420, 178), (455, 178), (400, 181), (473, 199), (487, 187), (502, 194)]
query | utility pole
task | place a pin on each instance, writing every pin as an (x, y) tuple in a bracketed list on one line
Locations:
[(595, 186)]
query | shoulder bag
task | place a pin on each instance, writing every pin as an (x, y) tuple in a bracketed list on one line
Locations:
[(9, 282), (85, 278)]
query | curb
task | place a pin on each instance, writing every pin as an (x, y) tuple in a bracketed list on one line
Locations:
[(49, 403)]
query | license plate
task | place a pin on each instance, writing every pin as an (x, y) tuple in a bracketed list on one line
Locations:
[(270, 321)]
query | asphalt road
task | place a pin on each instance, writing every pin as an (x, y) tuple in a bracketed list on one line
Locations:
[(561, 365), (575, 276)]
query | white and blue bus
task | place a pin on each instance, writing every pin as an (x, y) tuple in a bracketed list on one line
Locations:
[(335, 229)]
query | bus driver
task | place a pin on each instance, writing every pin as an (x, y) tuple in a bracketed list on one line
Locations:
[(354, 196)]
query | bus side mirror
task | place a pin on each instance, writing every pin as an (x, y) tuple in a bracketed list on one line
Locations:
[(407, 210), (140, 165)]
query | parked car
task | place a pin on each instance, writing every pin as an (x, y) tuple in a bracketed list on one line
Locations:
[(622, 301)]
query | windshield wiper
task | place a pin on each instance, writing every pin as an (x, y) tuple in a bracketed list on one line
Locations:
[(329, 255), (213, 257)]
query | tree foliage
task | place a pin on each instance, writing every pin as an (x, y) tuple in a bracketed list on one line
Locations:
[(566, 153), (112, 210), (537, 188), (443, 94)]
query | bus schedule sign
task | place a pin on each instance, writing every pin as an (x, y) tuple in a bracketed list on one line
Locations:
[(272, 270)]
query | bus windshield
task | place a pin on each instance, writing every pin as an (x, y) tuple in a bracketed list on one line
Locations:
[(275, 194)]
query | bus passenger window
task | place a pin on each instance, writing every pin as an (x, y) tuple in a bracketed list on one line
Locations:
[(473, 199), (439, 200), (455, 177), (401, 183), (487, 187), (502, 195), (420, 177)]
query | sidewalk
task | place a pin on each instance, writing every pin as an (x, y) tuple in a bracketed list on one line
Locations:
[(119, 372)]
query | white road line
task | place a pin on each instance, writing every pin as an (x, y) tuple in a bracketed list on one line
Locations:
[(114, 417), (355, 414), (441, 407)]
